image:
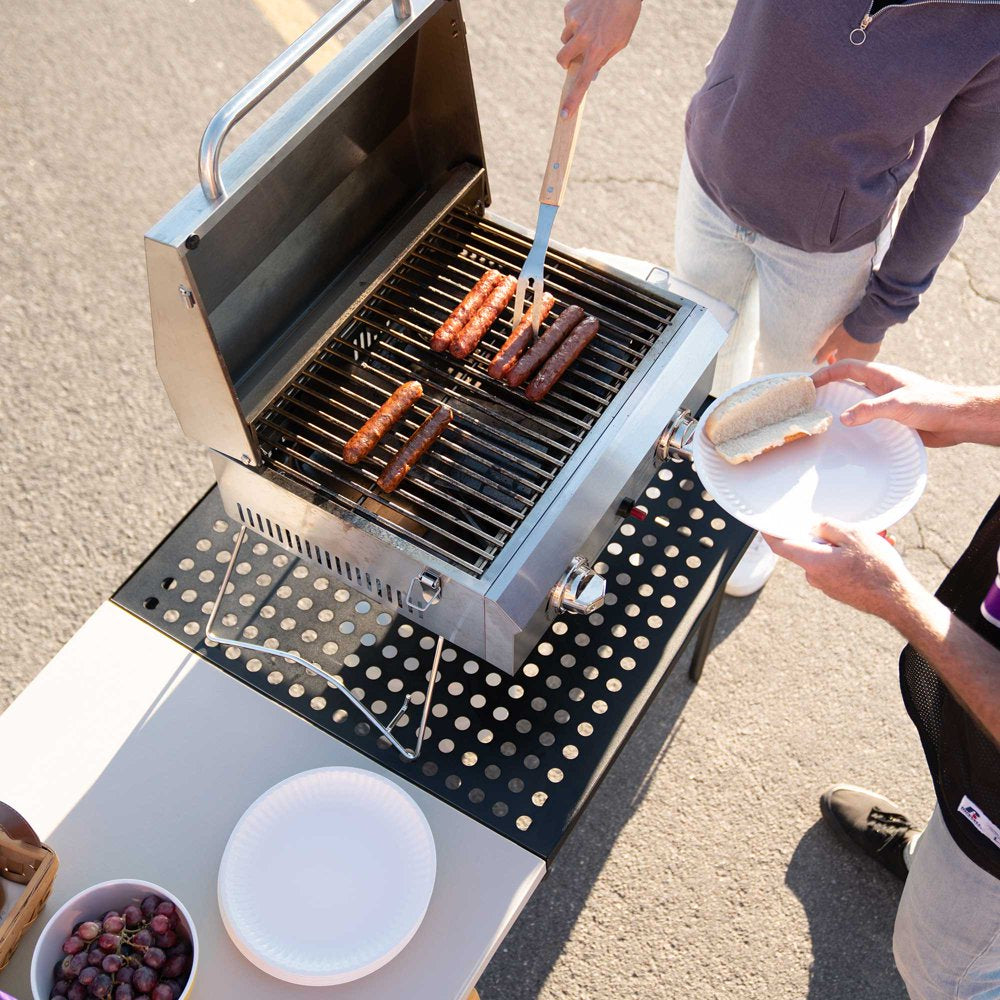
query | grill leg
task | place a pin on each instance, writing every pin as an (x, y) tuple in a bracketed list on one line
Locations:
[(705, 633)]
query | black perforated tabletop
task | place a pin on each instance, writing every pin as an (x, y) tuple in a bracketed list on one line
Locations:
[(520, 754)]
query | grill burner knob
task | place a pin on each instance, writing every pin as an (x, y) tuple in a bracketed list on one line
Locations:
[(675, 441), (581, 590)]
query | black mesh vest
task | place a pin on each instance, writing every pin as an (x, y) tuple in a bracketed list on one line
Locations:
[(964, 761)]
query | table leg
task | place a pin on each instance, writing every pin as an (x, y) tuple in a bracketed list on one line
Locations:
[(704, 640)]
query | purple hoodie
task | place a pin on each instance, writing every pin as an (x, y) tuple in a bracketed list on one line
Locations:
[(806, 138)]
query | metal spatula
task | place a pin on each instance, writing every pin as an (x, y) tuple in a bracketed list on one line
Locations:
[(532, 276)]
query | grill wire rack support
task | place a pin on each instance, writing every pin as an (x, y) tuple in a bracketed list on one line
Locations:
[(333, 681)]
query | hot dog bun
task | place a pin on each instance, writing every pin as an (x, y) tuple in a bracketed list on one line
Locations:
[(764, 416)]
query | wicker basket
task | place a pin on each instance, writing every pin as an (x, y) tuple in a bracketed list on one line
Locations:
[(32, 864)]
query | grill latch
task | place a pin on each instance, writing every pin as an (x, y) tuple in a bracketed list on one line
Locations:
[(675, 441), (430, 591), (581, 590)]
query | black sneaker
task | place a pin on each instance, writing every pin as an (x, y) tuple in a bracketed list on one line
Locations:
[(871, 822)]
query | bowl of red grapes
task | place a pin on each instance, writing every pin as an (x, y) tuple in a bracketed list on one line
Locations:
[(121, 940)]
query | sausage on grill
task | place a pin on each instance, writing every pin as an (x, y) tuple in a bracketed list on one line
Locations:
[(414, 449), (569, 350), (464, 311), (539, 352), (464, 342), (520, 338), (378, 424)]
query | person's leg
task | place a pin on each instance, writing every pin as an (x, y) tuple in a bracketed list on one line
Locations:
[(712, 254), (946, 940), (802, 297)]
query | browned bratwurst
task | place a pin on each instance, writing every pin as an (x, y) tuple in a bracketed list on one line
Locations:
[(380, 422), (542, 348), (569, 350), (464, 342), (520, 338), (414, 449), (464, 311)]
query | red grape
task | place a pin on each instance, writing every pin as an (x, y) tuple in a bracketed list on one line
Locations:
[(175, 966), (144, 980), (149, 905), (163, 992), (132, 915), (60, 989), (142, 939), (175, 986), (73, 944), (108, 942), (88, 975), (124, 992), (166, 908), (125, 974), (95, 956), (154, 958), (113, 924), (160, 924), (101, 987), (73, 965), (76, 992), (89, 930), (112, 963)]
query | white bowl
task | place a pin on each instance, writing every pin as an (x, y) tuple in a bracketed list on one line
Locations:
[(90, 905)]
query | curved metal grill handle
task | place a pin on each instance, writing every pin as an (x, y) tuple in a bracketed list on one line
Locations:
[(238, 106)]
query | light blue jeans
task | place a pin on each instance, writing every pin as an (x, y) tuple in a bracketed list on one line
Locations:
[(788, 300), (947, 937)]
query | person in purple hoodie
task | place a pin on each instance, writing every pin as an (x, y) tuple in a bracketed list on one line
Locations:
[(811, 119)]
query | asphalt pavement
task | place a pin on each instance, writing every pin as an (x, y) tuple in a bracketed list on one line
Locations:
[(701, 866)]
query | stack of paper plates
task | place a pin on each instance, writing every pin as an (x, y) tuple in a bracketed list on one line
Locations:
[(327, 876)]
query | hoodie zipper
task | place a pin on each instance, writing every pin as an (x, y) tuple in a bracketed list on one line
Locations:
[(859, 35)]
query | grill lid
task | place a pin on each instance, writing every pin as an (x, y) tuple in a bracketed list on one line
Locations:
[(317, 191)]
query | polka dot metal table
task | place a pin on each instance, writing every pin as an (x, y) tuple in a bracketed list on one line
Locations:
[(520, 754)]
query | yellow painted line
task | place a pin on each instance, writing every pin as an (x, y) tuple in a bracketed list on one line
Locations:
[(290, 18)]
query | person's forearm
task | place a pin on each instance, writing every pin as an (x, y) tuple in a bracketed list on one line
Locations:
[(979, 421), (957, 170), (967, 664)]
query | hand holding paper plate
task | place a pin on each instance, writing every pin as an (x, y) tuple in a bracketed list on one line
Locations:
[(869, 476)]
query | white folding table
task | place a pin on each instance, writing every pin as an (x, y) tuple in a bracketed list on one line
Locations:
[(119, 756)]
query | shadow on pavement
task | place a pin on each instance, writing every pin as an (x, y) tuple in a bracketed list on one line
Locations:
[(519, 970), (850, 904)]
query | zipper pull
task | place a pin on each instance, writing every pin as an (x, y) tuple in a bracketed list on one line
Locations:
[(858, 35)]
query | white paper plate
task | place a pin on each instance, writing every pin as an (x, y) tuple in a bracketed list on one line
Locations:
[(327, 876), (869, 476)]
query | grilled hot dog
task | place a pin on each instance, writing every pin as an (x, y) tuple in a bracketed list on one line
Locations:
[(520, 338), (414, 449), (540, 351), (464, 311), (464, 342), (569, 350), (378, 424)]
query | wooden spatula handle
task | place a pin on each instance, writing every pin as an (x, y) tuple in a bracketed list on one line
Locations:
[(563, 145)]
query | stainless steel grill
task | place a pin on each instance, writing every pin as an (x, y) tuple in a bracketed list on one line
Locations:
[(296, 287), (468, 496)]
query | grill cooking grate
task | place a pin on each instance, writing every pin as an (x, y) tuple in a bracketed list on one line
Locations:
[(471, 491)]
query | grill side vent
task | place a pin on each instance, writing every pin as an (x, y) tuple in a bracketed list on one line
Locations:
[(357, 576)]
